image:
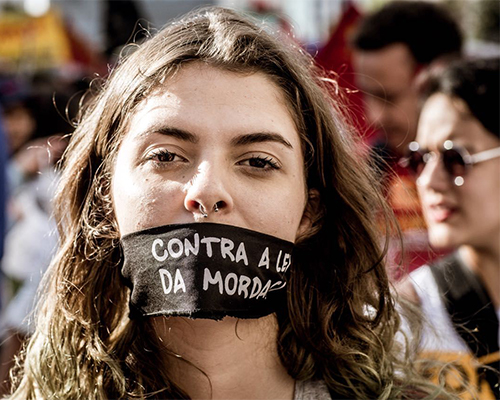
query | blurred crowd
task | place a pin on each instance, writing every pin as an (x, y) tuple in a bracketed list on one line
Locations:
[(34, 136), (381, 61)]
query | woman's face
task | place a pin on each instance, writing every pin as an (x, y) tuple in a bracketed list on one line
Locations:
[(210, 137), (457, 215)]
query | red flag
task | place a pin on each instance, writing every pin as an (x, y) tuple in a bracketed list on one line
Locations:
[(336, 57)]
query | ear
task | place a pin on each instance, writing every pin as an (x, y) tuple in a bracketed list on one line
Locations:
[(313, 212)]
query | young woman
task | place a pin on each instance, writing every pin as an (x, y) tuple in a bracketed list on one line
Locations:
[(456, 158), (213, 150)]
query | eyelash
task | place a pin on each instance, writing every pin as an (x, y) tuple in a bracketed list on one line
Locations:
[(266, 163), (157, 154)]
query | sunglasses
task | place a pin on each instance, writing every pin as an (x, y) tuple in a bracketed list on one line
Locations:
[(456, 159)]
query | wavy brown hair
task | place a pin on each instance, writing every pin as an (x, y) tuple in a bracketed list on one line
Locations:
[(340, 322)]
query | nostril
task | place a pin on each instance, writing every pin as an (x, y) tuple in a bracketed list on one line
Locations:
[(204, 208), (193, 205), (219, 205)]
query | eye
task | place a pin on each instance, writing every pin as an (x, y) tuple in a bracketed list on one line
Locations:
[(260, 162), (164, 156), (390, 98)]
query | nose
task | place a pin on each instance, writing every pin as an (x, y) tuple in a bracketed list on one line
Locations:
[(375, 111), (207, 194), (434, 176)]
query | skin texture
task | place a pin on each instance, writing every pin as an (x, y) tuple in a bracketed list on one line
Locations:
[(386, 76), (467, 217), (232, 141), (216, 108)]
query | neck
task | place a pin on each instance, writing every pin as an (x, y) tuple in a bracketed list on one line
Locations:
[(486, 264), (228, 359)]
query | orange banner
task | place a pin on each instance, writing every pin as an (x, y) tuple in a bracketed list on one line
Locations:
[(31, 44), (459, 371)]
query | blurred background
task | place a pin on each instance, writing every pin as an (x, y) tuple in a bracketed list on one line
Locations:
[(71, 37)]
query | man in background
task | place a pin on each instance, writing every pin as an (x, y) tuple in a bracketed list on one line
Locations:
[(391, 47)]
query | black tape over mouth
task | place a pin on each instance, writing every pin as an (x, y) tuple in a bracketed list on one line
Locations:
[(205, 270)]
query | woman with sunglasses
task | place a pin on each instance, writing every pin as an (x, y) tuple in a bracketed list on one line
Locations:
[(456, 160)]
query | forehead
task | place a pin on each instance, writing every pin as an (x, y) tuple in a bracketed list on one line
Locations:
[(448, 118), (196, 80), (392, 67), (203, 98)]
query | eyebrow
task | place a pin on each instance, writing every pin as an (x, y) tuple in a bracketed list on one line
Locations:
[(242, 140), (260, 137), (176, 133)]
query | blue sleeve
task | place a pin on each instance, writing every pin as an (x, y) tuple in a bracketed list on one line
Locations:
[(3, 184)]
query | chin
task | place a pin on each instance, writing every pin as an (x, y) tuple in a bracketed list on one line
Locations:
[(443, 239)]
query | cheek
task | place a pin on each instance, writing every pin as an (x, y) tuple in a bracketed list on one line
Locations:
[(280, 220), (142, 203), (481, 202), (277, 212), (405, 114)]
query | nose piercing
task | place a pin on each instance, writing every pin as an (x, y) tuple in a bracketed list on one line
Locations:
[(205, 213), (202, 211)]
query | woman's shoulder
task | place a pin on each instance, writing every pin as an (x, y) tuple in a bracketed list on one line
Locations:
[(312, 389), (409, 287), (438, 331)]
